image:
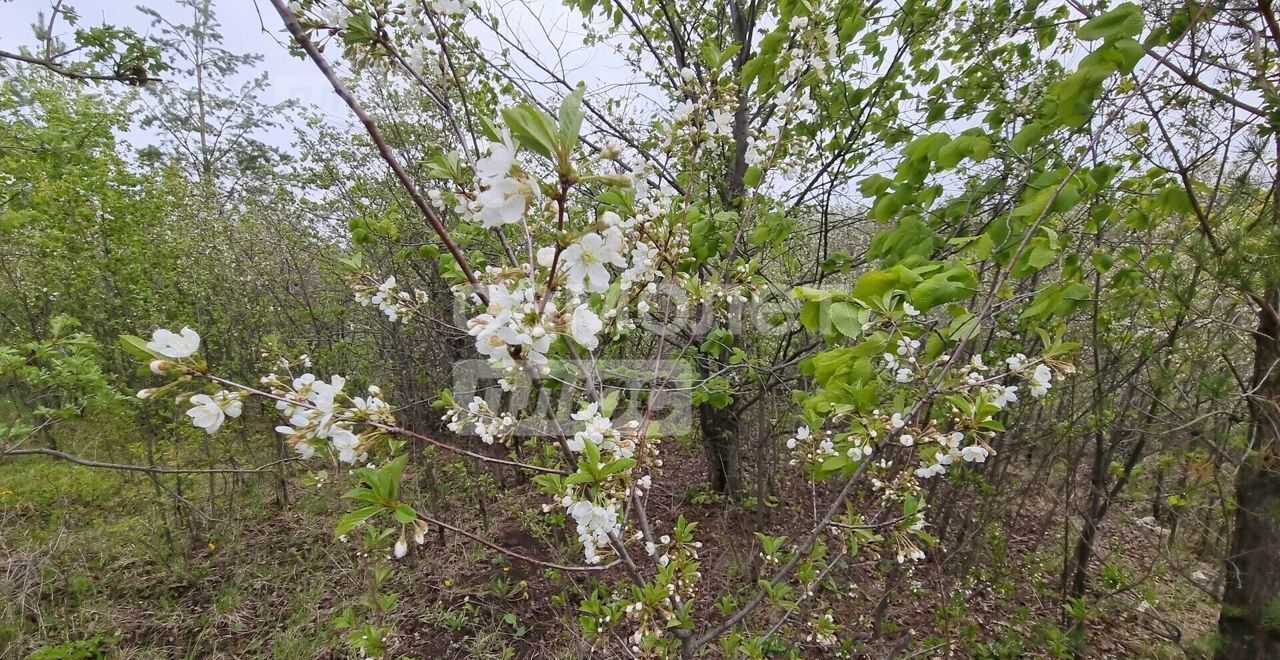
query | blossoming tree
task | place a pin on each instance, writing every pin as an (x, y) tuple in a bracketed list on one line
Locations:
[(598, 218), (852, 235)]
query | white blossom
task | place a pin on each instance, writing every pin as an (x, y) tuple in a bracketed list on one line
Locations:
[(504, 198), (1041, 381), (584, 326), (179, 345), (1003, 395), (585, 261), (722, 122), (209, 412)]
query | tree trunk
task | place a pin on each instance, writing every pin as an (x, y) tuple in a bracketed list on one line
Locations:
[(719, 428), (1249, 624)]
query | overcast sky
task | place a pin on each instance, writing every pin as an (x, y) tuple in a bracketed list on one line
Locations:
[(252, 26), (241, 30)]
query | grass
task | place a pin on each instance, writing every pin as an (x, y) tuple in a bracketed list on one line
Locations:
[(97, 564)]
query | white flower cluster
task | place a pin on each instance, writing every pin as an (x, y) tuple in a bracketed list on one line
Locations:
[(175, 345), (487, 424), (316, 410), (599, 431), (652, 206), (584, 261), (950, 450), (595, 525), (209, 412), (333, 13), (902, 364), (810, 448), (816, 46), (401, 548), (643, 266), (319, 411), (519, 325), (594, 507), (398, 305), (1040, 377), (823, 631), (907, 550), (206, 412), (503, 198), (902, 373), (999, 395), (511, 326), (443, 7), (559, 294), (812, 48)]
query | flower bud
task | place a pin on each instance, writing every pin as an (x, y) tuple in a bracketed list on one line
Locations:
[(147, 393), (620, 180), (158, 367)]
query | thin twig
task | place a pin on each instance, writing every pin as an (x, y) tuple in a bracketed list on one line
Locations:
[(140, 468)]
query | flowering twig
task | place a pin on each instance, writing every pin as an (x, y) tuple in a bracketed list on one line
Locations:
[(394, 430)]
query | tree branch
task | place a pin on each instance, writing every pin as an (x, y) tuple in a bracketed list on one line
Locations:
[(384, 150), (150, 469)]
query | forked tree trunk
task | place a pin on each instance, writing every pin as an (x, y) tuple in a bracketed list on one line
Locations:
[(1249, 624)]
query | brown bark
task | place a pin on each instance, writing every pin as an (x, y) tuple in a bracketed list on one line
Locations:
[(1249, 625), (720, 428)]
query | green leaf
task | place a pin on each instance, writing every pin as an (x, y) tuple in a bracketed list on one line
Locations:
[(1029, 135), (847, 318), (389, 481), (592, 455), (571, 119), (579, 477), (886, 207), (875, 284), (359, 30), (874, 185), (532, 128), (355, 518), (609, 403), (137, 347), (405, 514), (1125, 20), (619, 465), (363, 495), (950, 286)]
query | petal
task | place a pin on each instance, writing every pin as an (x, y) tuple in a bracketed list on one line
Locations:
[(599, 277)]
